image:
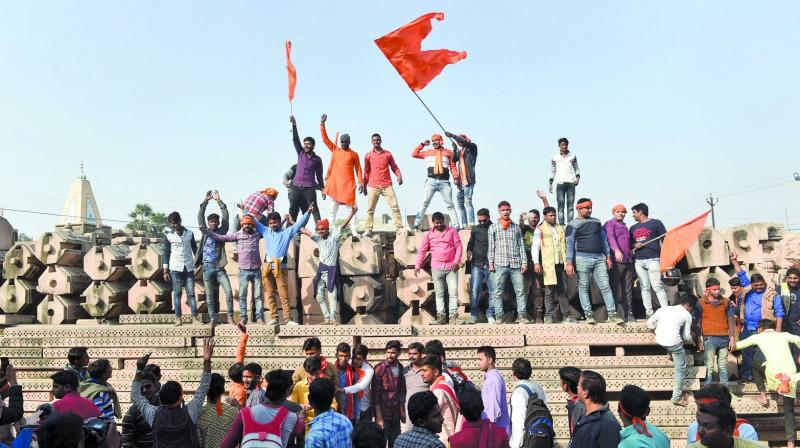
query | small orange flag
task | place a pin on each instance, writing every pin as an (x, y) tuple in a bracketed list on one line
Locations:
[(403, 48), (291, 70), (679, 239)]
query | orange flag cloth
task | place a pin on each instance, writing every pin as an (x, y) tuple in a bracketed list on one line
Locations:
[(403, 48), (291, 70), (679, 239)]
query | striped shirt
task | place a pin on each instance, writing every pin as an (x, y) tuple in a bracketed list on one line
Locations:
[(328, 247), (212, 427), (418, 437), (329, 430), (506, 246)]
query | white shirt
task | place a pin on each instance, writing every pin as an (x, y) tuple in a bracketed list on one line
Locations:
[(673, 325), (328, 247), (564, 168), (519, 407), (362, 385), (181, 255)]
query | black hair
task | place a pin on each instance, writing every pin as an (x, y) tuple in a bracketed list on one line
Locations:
[(725, 415), (368, 434), (76, 353), (213, 216), (434, 347), (684, 299), (535, 212), (595, 386), (148, 376), (216, 388), (757, 278), (312, 364), (642, 208), (715, 391), (521, 368), (503, 203), (635, 401), (274, 216), (484, 212), (471, 404), (548, 209), (170, 393), (375, 135), (64, 430), (582, 200), (563, 140), (174, 217), (395, 344), (793, 271), (767, 324), (712, 282), (416, 346), (361, 349), (254, 368), (420, 405), (278, 385), (235, 372), (735, 281), (312, 343), (320, 394), (488, 351), (433, 361), (570, 376), (437, 216), (98, 368), (343, 347), (310, 139), (155, 369), (66, 378)]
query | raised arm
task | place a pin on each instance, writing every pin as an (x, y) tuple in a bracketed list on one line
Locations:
[(322, 130), (196, 404), (353, 211), (148, 410), (201, 213), (543, 197), (227, 238), (298, 147), (224, 223), (417, 152), (740, 272)]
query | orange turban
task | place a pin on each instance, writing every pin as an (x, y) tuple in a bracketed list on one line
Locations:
[(271, 192), (619, 207), (323, 224), (582, 205), (247, 219), (435, 137)]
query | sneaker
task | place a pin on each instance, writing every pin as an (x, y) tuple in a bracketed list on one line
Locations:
[(630, 318), (196, 320), (523, 320), (490, 320), (548, 320), (648, 315), (271, 322), (178, 321), (260, 321), (616, 320), (289, 322), (471, 321), (441, 319), (454, 320), (569, 320), (590, 320), (333, 322)]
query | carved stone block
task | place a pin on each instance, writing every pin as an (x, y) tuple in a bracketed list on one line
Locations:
[(107, 263), (19, 296), (63, 280), (21, 261), (59, 309), (149, 297)]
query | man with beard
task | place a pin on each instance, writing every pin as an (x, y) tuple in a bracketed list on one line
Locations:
[(533, 279), (718, 329), (444, 244), (211, 256), (477, 255), (466, 155), (440, 165), (549, 240), (252, 382), (507, 259), (790, 292), (716, 423), (378, 182), (343, 171), (431, 368), (136, 433), (413, 377), (389, 392), (308, 176)]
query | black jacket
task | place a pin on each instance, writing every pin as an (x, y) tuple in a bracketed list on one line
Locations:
[(479, 246), (470, 156), (222, 259), (13, 412), (596, 430)]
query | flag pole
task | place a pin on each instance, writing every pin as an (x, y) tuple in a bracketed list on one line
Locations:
[(432, 115)]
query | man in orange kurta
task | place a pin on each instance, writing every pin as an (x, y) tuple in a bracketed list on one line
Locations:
[(343, 170)]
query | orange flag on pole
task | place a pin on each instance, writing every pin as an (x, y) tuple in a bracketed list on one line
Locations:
[(403, 48), (291, 70), (679, 239)]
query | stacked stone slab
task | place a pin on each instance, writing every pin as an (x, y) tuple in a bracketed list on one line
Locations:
[(21, 269), (63, 279), (107, 295)]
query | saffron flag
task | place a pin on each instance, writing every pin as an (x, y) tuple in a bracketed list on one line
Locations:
[(403, 48), (679, 239), (291, 70)]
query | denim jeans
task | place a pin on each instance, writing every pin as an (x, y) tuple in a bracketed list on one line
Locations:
[(213, 278), (649, 273), (479, 275), (501, 274), (250, 276), (587, 268), (716, 346), (464, 203), (179, 281), (449, 279), (432, 186), (679, 358), (750, 355), (565, 197), (328, 310)]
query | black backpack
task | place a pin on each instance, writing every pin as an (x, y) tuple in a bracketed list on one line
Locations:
[(174, 428), (460, 384), (539, 431)]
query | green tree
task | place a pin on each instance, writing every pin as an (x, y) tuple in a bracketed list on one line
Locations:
[(145, 220), (23, 237)]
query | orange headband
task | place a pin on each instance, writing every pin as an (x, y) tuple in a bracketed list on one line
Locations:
[(587, 204), (638, 423), (323, 224), (619, 207)]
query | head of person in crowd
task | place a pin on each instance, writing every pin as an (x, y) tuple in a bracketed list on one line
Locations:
[(212, 221), (715, 425), (484, 218), (713, 289), (312, 347), (434, 347), (64, 382), (592, 388), (619, 211), (415, 352), (342, 355), (569, 379), (174, 221), (549, 214), (687, 301), (736, 286), (393, 349), (640, 212), (100, 370), (521, 369), (236, 372), (430, 368), (155, 369), (437, 141), (793, 278), (423, 410), (766, 324), (216, 389), (308, 144), (563, 145), (486, 358), (376, 141), (438, 221), (320, 395), (78, 357), (368, 434), (270, 192), (251, 376), (758, 283), (313, 368), (634, 407), (712, 393), (360, 352), (274, 221), (278, 385), (504, 210), (63, 430), (584, 208), (323, 228), (150, 386), (248, 224), (171, 394), (344, 140), (534, 217), (471, 404)]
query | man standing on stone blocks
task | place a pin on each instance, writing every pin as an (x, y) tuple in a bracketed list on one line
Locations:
[(343, 172), (588, 255), (673, 328), (440, 165), (534, 283), (378, 182), (477, 255), (389, 392), (647, 251), (444, 245), (759, 301), (718, 329), (550, 241), (507, 259), (466, 155), (211, 256), (623, 272), (565, 172), (308, 176), (790, 293), (178, 258)]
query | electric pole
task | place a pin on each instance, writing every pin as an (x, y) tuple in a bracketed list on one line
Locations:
[(712, 202)]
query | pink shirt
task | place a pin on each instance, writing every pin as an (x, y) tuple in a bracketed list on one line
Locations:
[(470, 436), (445, 248), (73, 402)]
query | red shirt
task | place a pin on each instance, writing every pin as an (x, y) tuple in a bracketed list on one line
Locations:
[(480, 434), (73, 402), (376, 168)]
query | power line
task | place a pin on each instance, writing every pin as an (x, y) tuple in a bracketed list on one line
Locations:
[(60, 215)]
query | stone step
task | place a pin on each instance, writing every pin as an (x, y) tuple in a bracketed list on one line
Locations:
[(106, 331), (128, 352), (450, 342), (532, 329), (346, 330), (169, 341), (550, 351), (21, 352)]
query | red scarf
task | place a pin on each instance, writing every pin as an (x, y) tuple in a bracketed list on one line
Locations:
[(505, 223), (349, 375), (638, 423)]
